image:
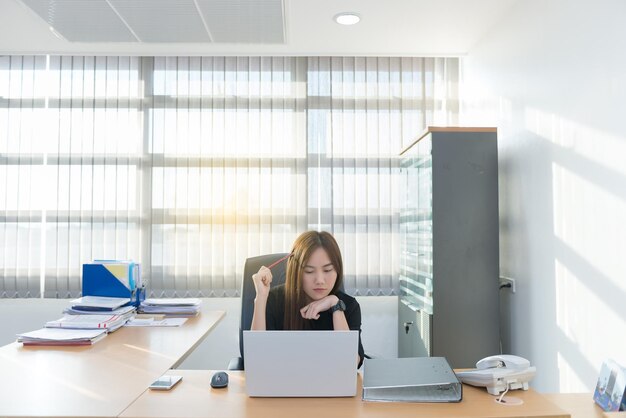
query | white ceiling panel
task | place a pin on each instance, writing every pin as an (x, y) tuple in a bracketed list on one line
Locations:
[(244, 21), (82, 20), (163, 20)]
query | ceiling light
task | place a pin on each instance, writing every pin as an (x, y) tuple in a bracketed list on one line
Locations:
[(347, 18)]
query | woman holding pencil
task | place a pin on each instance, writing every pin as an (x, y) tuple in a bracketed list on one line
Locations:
[(310, 299)]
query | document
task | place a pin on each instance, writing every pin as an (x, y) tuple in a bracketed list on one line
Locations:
[(172, 302), (119, 311), (109, 322), (171, 306), (99, 302), (59, 336), (151, 322)]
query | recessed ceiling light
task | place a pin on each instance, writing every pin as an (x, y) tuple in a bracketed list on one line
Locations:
[(347, 18)]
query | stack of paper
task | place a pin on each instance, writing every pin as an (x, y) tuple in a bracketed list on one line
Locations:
[(171, 306), (119, 311), (107, 322), (151, 322), (98, 303), (56, 336)]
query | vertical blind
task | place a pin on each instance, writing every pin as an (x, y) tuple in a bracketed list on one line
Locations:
[(190, 165)]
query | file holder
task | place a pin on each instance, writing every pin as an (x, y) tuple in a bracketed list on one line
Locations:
[(418, 379), (99, 281)]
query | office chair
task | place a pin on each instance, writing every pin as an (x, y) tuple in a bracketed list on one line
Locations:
[(248, 293)]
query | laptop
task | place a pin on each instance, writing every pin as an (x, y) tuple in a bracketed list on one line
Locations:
[(301, 363)]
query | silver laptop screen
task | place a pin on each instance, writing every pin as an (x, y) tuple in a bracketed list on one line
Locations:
[(301, 363)]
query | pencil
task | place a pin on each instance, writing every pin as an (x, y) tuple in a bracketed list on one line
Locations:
[(280, 260)]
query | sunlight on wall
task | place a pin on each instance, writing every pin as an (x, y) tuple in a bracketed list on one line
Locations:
[(584, 341), (592, 143), (561, 145), (587, 218), (588, 197), (578, 216), (569, 380), (588, 207)]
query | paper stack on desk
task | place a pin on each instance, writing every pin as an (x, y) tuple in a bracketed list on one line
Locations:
[(171, 306), (98, 303), (119, 311), (57, 336), (151, 322), (107, 322)]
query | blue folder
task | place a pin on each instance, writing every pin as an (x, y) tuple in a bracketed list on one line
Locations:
[(99, 281)]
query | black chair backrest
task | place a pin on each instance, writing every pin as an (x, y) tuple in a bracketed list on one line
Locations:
[(248, 293)]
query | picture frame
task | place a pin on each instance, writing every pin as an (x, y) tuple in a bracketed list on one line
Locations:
[(609, 392)]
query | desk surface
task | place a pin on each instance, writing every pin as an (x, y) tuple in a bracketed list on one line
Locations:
[(581, 405), (193, 397), (98, 380)]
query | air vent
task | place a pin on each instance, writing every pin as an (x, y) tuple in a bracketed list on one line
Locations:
[(164, 21), (82, 20), (244, 21)]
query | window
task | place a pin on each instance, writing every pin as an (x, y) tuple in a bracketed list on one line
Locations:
[(192, 164)]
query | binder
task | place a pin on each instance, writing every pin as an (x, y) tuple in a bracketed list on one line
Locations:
[(113, 279), (417, 379)]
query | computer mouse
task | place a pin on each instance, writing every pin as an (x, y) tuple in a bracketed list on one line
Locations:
[(219, 380)]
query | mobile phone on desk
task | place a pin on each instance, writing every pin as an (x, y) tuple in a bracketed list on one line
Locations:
[(165, 382)]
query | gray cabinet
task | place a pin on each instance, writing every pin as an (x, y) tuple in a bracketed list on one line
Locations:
[(449, 269)]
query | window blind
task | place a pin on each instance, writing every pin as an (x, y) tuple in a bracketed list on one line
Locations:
[(190, 165)]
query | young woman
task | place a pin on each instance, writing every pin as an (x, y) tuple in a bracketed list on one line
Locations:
[(310, 299)]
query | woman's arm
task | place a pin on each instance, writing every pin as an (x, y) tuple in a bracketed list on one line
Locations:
[(313, 309), (262, 282), (258, 316), (340, 323)]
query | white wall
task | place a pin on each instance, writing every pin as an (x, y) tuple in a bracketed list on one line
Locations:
[(23, 315), (552, 76)]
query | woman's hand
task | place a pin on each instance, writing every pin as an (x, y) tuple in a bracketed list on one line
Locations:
[(313, 309), (262, 280)]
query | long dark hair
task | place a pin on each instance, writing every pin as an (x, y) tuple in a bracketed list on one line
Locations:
[(295, 298)]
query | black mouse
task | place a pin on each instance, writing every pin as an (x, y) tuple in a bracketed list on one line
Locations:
[(219, 380)]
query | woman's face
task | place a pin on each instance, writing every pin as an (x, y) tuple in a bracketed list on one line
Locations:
[(319, 275)]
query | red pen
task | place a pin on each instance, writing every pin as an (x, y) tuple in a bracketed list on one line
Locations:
[(275, 263)]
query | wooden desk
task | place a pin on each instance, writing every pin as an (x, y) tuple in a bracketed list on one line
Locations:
[(98, 380), (581, 405), (193, 397)]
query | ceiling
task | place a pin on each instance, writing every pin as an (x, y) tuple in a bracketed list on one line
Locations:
[(246, 27)]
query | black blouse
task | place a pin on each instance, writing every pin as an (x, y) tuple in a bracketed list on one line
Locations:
[(275, 314)]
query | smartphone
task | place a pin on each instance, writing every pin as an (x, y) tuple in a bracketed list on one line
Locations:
[(165, 382)]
